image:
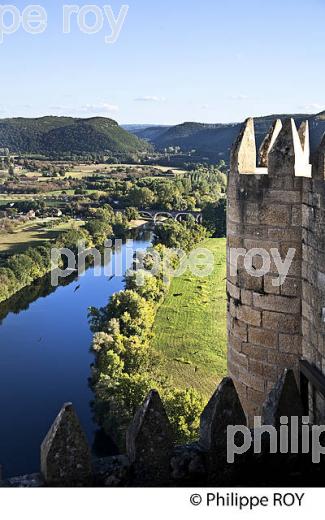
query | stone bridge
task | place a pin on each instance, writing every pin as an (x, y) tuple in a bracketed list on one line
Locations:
[(179, 216)]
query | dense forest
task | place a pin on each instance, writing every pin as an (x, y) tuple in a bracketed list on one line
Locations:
[(67, 135)]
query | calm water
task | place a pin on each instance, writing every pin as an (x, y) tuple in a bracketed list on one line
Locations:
[(45, 361)]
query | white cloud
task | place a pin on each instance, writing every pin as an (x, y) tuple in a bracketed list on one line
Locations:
[(239, 97), (102, 107), (311, 107), (98, 109), (152, 99)]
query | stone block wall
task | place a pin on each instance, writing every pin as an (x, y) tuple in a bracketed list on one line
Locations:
[(276, 208), (313, 280)]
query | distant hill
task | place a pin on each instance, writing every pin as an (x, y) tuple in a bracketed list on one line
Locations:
[(63, 135), (67, 134), (214, 141), (149, 133)]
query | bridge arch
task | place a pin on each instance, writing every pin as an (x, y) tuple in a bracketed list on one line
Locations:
[(178, 216), (145, 214), (166, 214), (182, 216)]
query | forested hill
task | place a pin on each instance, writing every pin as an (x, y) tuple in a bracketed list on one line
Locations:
[(67, 134), (214, 141)]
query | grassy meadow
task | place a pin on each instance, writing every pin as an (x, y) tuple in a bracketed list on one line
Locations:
[(32, 234), (190, 326)]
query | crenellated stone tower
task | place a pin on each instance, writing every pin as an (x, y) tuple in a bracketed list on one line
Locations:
[(278, 207)]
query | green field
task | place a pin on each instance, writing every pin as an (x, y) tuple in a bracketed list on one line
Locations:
[(190, 326), (31, 234), (81, 170)]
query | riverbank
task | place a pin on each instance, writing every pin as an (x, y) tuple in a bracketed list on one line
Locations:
[(136, 224), (32, 261), (190, 326), (137, 348)]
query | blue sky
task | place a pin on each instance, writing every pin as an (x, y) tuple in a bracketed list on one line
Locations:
[(174, 61)]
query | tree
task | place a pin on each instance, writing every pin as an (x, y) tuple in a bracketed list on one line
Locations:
[(180, 235), (214, 217), (71, 238), (134, 313), (141, 198), (168, 196), (100, 230), (131, 213), (150, 287), (184, 408), (22, 266), (8, 283)]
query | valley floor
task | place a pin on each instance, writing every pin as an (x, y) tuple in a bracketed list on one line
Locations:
[(190, 326), (32, 234)]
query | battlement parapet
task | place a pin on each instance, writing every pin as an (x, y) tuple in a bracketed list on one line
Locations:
[(152, 458), (284, 151)]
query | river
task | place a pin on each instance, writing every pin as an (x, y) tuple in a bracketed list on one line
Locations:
[(45, 361)]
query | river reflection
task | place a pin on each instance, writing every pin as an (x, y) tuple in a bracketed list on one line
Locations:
[(45, 361)]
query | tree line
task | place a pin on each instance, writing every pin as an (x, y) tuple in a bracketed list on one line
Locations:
[(21, 269), (126, 367)]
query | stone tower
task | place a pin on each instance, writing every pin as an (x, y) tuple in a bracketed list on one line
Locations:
[(265, 223)]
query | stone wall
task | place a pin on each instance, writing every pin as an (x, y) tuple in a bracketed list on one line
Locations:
[(313, 277), (276, 207), (266, 209)]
